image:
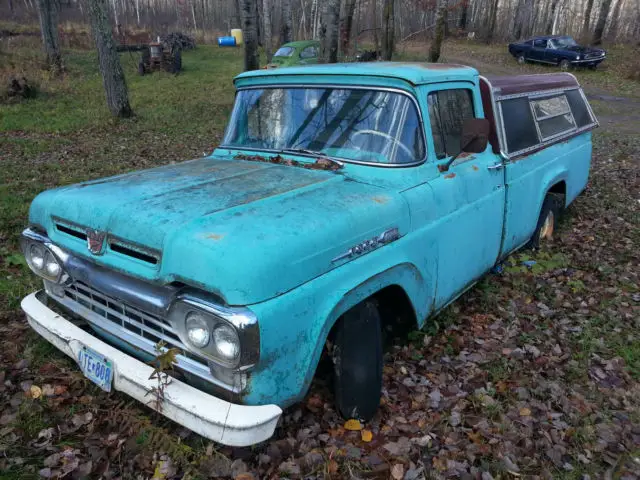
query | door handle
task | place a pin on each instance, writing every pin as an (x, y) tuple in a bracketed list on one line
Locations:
[(496, 166)]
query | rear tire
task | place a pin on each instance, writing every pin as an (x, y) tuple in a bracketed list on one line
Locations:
[(357, 359), (141, 68), (548, 220), (564, 65)]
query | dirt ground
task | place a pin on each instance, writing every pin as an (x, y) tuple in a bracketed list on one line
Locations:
[(533, 373)]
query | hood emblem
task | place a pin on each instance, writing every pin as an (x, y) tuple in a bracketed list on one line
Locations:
[(95, 241)]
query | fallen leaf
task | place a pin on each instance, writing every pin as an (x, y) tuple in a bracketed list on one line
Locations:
[(353, 425), (397, 471), (35, 391), (366, 435), (525, 412)]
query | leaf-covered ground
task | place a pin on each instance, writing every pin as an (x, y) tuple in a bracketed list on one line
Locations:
[(535, 372)]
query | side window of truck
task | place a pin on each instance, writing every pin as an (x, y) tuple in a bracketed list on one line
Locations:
[(448, 109)]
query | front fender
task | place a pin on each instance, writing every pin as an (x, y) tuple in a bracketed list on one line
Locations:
[(294, 327)]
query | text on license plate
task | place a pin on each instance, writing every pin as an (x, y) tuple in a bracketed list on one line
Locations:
[(96, 367)]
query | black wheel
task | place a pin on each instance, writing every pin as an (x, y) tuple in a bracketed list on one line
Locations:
[(564, 65), (521, 59), (357, 360), (141, 68), (548, 220)]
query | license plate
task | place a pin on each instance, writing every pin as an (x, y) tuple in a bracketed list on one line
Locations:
[(96, 367)]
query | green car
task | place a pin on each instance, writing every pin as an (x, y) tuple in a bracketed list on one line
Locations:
[(304, 52)]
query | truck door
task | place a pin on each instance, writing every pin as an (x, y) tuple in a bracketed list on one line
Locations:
[(469, 197)]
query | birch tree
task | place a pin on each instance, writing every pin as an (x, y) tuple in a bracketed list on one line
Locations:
[(329, 31), (48, 13), (250, 34), (113, 80), (441, 18)]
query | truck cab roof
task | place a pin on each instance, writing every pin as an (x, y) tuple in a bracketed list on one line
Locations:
[(413, 73)]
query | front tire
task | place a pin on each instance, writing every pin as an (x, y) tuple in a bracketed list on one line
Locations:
[(564, 65), (547, 222), (357, 359), (521, 59)]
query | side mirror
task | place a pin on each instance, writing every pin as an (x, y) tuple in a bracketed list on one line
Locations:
[(474, 139)]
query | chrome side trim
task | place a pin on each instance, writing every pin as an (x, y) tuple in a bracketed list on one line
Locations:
[(348, 87), (388, 236)]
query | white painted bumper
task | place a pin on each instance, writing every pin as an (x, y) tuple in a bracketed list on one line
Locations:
[(211, 417)]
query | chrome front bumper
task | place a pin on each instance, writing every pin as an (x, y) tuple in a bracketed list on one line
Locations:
[(209, 416)]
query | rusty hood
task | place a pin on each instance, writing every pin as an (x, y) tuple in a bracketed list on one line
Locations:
[(244, 230)]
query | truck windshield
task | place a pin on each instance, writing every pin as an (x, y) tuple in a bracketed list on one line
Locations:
[(372, 126)]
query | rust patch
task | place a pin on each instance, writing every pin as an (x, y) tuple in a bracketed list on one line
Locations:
[(214, 236), (465, 155), (450, 175), (475, 167), (379, 199), (319, 164)]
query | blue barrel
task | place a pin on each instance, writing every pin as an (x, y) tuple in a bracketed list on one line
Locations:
[(226, 41)]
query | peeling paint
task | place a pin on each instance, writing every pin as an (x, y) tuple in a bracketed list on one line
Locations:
[(380, 199), (319, 164), (214, 236)]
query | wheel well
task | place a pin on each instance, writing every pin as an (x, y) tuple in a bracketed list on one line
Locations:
[(559, 188), (396, 310)]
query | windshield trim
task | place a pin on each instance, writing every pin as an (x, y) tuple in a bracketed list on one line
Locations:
[(349, 87)]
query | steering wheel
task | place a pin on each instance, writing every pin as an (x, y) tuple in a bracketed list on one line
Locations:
[(384, 135)]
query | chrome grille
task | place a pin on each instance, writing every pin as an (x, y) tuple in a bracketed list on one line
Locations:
[(142, 330)]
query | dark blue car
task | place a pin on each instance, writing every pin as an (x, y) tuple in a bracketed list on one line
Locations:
[(559, 50)]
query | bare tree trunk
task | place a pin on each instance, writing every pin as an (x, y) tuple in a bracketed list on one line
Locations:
[(388, 27), (286, 23), (376, 39), (551, 18), (587, 20), (615, 21), (113, 80), (48, 12), (268, 36), (493, 16), (464, 15), (346, 25), (329, 31), (602, 21), (436, 44), (250, 33)]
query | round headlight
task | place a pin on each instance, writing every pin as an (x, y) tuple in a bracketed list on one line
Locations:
[(197, 330), (577, 57), (226, 343), (51, 265), (36, 254)]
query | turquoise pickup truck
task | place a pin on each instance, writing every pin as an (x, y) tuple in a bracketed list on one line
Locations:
[(341, 198)]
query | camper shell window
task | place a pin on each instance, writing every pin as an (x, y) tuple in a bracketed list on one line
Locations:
[(532, 112)]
